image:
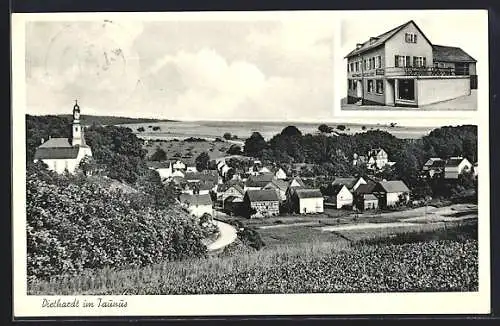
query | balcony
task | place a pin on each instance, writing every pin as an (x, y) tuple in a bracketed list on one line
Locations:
[(418, 71)]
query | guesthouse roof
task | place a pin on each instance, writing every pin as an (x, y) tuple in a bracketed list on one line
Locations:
[(450, 54), (394, 186)]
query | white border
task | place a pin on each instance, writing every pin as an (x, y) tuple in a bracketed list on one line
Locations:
[(211, 305), (482, 70)]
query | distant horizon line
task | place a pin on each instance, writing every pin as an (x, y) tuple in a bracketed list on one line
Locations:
[(249, 120)]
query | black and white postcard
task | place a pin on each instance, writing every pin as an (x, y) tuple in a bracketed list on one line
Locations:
[(250, 163)]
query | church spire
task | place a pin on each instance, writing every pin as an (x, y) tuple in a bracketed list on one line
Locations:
[(77, 137)]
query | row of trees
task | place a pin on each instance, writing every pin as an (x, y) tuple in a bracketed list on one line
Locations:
[(332, 155)]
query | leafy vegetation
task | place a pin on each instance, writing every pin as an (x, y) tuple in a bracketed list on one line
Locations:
[(306, 268)]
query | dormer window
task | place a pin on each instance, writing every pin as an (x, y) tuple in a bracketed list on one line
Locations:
[(410, 38)]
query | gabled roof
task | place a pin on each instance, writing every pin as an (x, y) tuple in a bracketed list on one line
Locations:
[(454, 161), (365, 188), (195, 199), (262, 195), (337, 188), (369, 197), (207, 175), (393, 186), (299, 181), (237, 187), (450, 54), (382, 38), (158, 164), (57, 148), (308, 193), (280, 184), (348, 182), (260, 180)]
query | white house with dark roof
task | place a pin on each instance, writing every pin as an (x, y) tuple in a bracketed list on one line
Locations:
[(65, 154), (391, 193), (307, 201), (401, 67), (341, 196), (197, 205), (455, 166), (352, 183)]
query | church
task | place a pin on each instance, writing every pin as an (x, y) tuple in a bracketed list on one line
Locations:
[(61, 154)]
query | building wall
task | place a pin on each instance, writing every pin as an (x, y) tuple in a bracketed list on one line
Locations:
[(398, 46), (452, 172), (393, 198), (367, 74), (472, 68), (311, 205), (265, 208), (60, 165), (164, 173), (358, 183), (344, 198), (432, 90), (370, 204), (231, 192)]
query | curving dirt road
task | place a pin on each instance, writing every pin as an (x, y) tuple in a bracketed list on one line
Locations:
[(227, 234)]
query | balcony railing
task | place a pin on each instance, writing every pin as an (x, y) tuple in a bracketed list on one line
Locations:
[(419, 71)]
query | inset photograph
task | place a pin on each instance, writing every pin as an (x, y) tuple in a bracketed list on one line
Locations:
[(393, 62)]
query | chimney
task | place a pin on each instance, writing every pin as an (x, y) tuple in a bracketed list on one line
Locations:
[(359, 45)]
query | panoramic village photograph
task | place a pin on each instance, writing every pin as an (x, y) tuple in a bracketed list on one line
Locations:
[(160, 164), (414, 64)]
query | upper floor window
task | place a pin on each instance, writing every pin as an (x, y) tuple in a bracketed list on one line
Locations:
[(419, 62), (379, 62), (352, 66), (410, 38), (402, 61), (356, 66)]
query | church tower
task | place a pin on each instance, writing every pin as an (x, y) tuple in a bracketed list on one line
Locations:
[(77, 137)]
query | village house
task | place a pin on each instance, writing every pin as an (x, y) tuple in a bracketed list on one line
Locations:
[(340, 196), (279, 186), (363, 197), (402, 67), (391, 193), (280, 174), (351, 183), (256, 182), (197, 205), (433, 168), (178, 166), (307, 201), (65, 154), (164, 168), (456, 166), (377, 159), (191, 169), (233, 190), (264, 202)]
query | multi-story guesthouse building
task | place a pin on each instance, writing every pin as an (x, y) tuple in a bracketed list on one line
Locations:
[(65, 154), (402, 67)]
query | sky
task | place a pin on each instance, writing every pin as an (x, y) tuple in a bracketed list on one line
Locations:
[(453, 28), (275, 69)]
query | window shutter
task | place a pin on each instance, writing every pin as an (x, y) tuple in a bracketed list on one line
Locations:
[(424, 63), (408, 61), (415, 61), (379, 61), (415, 38), (396, 61)]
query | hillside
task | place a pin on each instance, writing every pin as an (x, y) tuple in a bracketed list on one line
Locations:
[(110, 120)]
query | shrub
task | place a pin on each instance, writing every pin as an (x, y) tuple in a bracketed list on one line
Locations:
[(72, 227)]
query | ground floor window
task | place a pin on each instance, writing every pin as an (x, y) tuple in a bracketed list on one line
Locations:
[(370, 86), (406, 89), (379, 86)]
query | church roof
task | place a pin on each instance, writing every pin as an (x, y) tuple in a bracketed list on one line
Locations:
[(57, 148)]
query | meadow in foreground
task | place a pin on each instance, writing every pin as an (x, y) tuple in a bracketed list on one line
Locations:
[(440, 265)]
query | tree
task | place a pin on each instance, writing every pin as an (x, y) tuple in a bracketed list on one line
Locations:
[(234, 150), (325, 129), (140, 129), (255, 144), (227, 136), (291, 131), (159, 155), (341, 127), (202, 161)]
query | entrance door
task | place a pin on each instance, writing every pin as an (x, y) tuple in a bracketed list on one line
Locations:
[(359, 89), (406, 89)]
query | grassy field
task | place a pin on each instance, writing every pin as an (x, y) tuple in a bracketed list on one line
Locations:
[(187, 151)]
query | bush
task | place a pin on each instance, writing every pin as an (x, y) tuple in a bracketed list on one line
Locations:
[(227, 136), (341, 127), (140, 129), (72, 227)]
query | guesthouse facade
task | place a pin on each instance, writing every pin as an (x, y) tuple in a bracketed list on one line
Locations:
[(402, 67)]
